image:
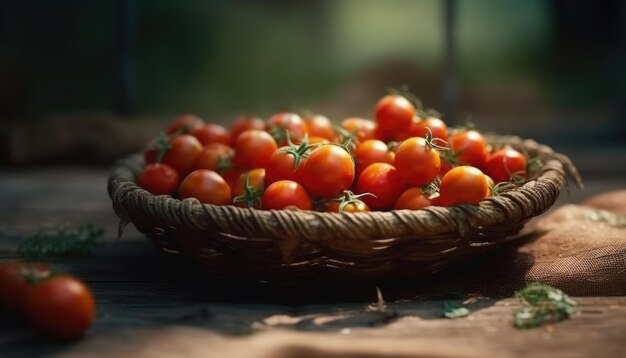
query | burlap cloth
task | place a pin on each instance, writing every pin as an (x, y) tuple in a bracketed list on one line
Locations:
[(579, 248)]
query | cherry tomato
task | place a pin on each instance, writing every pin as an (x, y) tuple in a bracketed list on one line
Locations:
[(417, 162), (250, 196), (470, 146), (412, 199), (211, 133), (243, 124), (284, 194), (159, 179), (463, 185), (394, 115), (502, 164), (183, 152), (214, 157), (348, 203), (184, 124), (285, 123), (372, 151), (320, 126), (381, 180), (207, 186), (420, 127), (282, 165), (16, 285), (328, 171), (61, 307), (254, 149), (363, 129)]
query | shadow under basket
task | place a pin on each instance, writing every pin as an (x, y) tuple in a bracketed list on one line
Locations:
[(295, 246)]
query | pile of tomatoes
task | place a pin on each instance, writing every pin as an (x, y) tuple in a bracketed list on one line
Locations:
[(404, 159), (56, 305)]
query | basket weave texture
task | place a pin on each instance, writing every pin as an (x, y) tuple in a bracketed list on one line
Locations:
[(288, 245)]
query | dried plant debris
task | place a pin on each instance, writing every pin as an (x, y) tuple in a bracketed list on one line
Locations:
[(607, 217), (61, 241), (543, 304)]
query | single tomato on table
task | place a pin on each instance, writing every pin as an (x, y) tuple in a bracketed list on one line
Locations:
[(16, 283), (61, 307)]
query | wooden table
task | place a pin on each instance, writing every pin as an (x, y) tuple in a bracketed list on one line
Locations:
[(150, 305)]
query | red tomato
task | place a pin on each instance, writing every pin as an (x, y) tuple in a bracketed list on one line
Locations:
[(394, 115), (286, 193), (231, 175), (61, 307), (362, 129), (470, 147), (328, 171), (445, 167), (243, 124), (183, 152), (282, 165), (254, 149), (372, 151), (320, 126), (463, 185), (284, 123), (249, 196), (215, 158), (15, 285), (159, 179), (207, 186), (417, 162), (211, 133), (412, 199), (504, 163), (381, 180), (437, 127), (184, 124)]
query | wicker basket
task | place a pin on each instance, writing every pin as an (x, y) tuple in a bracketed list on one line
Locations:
[(291, 245)]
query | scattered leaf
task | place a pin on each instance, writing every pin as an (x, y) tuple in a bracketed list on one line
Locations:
[(454, 310), (543, 304), (61, 241)]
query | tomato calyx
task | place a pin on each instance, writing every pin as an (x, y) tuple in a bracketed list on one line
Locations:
[(299, 152), (347, 138), (348, 198), (251, 196), (431, 188), (405, 92), (162, 146)]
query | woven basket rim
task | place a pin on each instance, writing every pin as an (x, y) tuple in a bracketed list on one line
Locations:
[(516, 205)]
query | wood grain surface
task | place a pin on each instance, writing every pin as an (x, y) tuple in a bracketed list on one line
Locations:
[(155, 306)]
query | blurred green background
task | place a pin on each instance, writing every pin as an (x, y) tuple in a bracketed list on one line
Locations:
[(554, 70)]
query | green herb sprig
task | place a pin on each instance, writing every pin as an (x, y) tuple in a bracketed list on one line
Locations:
[(61, 241), (544, 304)]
